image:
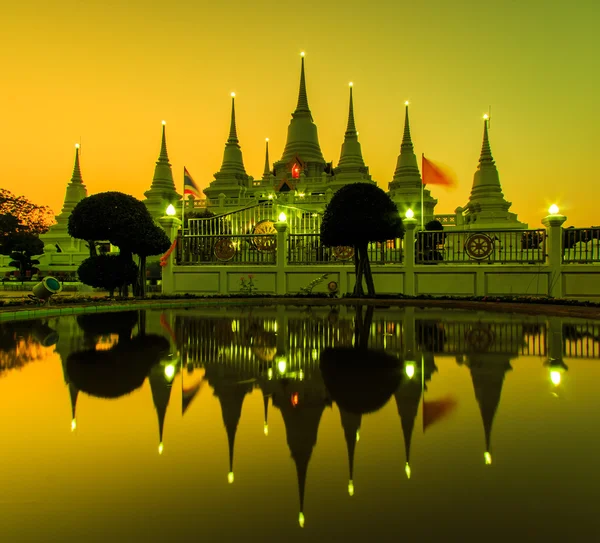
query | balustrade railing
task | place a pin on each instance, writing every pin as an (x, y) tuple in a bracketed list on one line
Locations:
[(256, 249), (581, 245), (476, 247)]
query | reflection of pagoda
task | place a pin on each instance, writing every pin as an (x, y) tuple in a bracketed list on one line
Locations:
[(231, 396), (301, 409), (161, 380), (408, 397), (351, 424), (68, 337), (487, 373)]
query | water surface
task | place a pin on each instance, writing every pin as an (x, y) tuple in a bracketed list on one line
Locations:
[(291, 424)]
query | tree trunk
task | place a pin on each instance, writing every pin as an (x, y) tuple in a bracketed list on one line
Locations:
[(366, 327), (369, 275), (142, 278), (92, 247), (358, 326)]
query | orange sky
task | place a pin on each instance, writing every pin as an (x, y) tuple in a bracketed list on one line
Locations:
[(108, 72)]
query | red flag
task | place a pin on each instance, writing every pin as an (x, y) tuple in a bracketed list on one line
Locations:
[(437, 410), (437, 174)]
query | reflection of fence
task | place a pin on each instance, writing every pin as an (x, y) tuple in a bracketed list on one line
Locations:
[(526, 339), (581, 340), (497, 246), (581, 245)]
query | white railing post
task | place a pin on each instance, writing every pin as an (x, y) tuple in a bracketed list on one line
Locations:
[(408, 257), (553, 224), (171, 226), (281, 256)]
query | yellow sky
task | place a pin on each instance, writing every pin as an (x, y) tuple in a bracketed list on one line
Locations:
[(108, 72)]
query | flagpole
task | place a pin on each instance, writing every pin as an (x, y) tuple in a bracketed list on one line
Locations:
[(183, 206), (422, 189)]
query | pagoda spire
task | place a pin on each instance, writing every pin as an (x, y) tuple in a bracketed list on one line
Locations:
[(233, 138), (160, 387), (405, 187), (488, 379), (302, 139), (351, 424), (266, 414), (73, 393), (76, 190), (162, 190), (486, 151), (267, 169), (351, 159), (408, 397), (302, 106), (487, 206)]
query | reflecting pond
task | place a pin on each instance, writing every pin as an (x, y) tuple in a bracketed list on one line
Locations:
[(298, 424)]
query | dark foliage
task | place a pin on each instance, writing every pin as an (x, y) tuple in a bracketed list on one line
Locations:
[(360, 380), (121, 323), (29, 216), (109, 272), (119, 370), (360, 213)]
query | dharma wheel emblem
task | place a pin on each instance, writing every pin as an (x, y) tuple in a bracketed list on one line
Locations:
[(479, 246), (224, 249), (263, 243), (343, 252)]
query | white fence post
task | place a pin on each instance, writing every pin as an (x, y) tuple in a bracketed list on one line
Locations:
[(408, 257), (171, 226), (553, 224), (281, 256)]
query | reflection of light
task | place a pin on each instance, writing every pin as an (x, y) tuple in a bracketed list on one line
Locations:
[(409, 369), (230, 477), (487, 457), (170, 371), (281, 366), (171, 210), (301, 375), (270, 373), (553, 209), (351, 487), (357, 435), (295, 399), (555, 377), (266, 429), (161, 448), (275, 327), (407, 470), (234, 326), (315, 354), (301, 519), (73, 425)]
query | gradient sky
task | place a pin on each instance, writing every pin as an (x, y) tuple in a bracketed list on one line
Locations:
[(108, 72)]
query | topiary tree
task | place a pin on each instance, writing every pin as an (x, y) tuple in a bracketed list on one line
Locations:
[(109, 272), (122, 220), (358, 214), (107, 216), (21, 246)]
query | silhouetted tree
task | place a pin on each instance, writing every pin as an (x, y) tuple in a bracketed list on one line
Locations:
[(30, 217), (21, 246), (148, 239), (357, 215), (109, 272)]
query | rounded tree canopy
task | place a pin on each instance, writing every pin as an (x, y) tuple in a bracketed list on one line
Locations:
[(360, 213), (111, 216), (150, 239)]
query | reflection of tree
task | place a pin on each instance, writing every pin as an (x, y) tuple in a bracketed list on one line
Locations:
[(117, 371), (97, 325), (24, 342), (360, 380)]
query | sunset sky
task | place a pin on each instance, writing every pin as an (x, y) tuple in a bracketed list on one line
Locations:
[(106, 72)]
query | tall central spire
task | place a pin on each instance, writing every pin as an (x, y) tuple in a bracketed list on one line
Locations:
[(486, 151), (302, 106), (302, 139), (232, 128)]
